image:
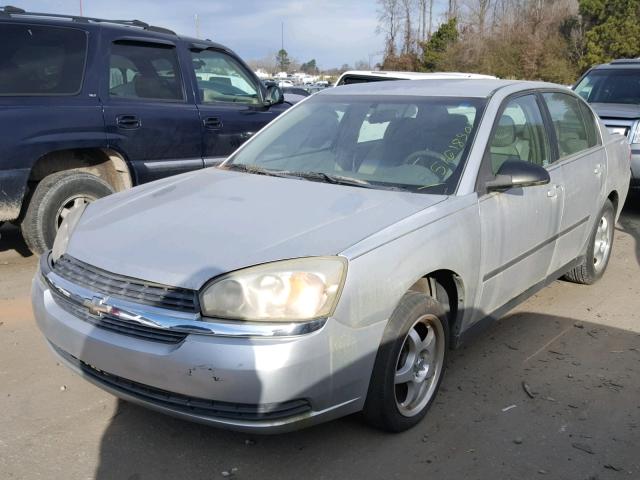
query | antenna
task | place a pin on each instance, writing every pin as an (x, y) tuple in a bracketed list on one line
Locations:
[(282, 36), (196, 19)]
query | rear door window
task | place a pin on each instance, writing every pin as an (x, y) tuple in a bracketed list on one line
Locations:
[(145, 71), (569, 124), (39, 60)]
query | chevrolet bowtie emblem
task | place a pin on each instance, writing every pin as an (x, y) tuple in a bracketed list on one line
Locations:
[(96, 306)]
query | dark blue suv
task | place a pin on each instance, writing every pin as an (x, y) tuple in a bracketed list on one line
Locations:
[(90, 106)]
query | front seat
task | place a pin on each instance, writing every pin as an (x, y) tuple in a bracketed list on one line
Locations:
[(402, 138), (503, 147), (150, 86)]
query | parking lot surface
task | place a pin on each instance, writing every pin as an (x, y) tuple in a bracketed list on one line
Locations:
[(552, 390)]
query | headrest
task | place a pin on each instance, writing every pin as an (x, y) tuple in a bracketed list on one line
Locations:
[(383, 116), (505, 133)]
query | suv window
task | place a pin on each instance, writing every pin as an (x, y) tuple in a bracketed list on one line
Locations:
[(222, 79), (520, 134), (611, 85), (568, 123), (144, 71), (36, 60)]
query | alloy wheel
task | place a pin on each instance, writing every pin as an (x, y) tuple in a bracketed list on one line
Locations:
[(419, 365)]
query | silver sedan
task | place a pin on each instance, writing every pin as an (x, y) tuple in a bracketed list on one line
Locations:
[(330, 264)]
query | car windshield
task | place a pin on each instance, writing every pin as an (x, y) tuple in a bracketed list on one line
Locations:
[(417, 144), (611, 86)]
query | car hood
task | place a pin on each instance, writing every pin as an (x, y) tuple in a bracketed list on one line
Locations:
[(616, 110), (185, 230)]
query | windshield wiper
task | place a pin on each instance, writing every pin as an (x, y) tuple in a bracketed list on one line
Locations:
[(340, 180), (241, 167), (312, 176)]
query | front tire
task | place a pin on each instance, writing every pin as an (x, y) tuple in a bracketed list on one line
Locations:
[(595, 262), (53, 198), (410, 364)]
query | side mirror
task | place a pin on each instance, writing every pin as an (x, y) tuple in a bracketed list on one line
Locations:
[(274, 95), (518, 173)]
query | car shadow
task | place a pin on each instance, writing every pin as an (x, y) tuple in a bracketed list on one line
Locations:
[(11, 240), (484, 424)]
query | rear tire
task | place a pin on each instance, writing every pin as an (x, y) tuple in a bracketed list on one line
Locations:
[(595, 262), (54, 196), (410, 364)]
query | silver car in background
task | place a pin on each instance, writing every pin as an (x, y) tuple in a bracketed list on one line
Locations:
[(329, 265)]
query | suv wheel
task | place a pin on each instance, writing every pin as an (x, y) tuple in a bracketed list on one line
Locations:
[(410, 364), (53, 198), (595, 262)]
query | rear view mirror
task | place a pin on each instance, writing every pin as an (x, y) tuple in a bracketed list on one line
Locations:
[(274, 95), (518, 173)]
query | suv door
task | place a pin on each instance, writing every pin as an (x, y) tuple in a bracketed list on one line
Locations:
[(150, 117), (230, 102), (582, 160), (518, 226)]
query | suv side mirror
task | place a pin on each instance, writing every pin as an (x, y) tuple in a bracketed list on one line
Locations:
[(274, 95), (518, 173)]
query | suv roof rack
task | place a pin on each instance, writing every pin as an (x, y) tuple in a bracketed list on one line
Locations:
[(625, 61), (9, 11)]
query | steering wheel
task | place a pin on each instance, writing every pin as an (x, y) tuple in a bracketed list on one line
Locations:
[(431, 160)]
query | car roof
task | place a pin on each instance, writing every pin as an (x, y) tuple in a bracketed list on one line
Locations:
[(468, 88), (125, 26), (621, 63), (412, 75)]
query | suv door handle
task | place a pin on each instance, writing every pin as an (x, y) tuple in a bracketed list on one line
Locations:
[(212, 123), (128, 122), (598, 169)]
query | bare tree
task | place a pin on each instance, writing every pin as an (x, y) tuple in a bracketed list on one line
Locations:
[(453, 9), (407, 12), (389, 18), (479, 11)]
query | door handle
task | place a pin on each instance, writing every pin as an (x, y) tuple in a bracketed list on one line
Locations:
[(128, 122), (212, 123), (553, 191), (598, 169)]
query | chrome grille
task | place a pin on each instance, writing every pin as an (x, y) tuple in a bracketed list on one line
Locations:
[(117, 325), (127, 288)]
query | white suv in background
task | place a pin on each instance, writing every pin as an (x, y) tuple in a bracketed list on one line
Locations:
[(363, 76)]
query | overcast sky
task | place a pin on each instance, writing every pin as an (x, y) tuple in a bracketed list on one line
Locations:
[(333, 32)]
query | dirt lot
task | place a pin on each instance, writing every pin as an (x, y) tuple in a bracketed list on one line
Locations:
[(577, 348)]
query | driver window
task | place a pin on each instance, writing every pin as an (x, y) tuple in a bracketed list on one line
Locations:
[(222, 79), (520, 134)]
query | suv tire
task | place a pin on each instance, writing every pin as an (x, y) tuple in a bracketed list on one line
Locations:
[(595, 262), (54, 195), (410, 364)]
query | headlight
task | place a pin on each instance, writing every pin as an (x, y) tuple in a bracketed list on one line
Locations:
[(289, 290), (65, 231)]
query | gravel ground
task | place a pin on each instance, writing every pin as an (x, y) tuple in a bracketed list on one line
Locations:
[(575, 349)]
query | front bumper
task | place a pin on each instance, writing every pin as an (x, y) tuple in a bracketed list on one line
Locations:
[(635, 167), (265, 385)]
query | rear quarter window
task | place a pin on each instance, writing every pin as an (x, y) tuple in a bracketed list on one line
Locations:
[(41, 60)]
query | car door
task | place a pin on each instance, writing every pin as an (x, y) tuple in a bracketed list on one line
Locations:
[(149, 115), (230, 102), (519, 225), (582, 161)]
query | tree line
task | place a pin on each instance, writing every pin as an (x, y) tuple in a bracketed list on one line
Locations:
[(551, 40)]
